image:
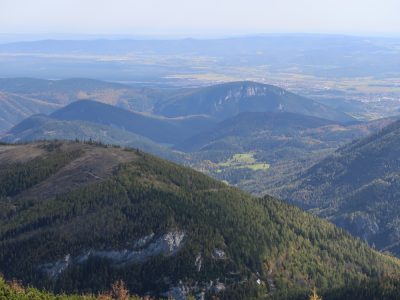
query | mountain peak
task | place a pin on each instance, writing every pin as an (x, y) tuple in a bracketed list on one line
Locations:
[(229, 99)]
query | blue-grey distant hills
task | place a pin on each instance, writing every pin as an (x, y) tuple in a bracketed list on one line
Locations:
[(159, 129), (23, 97), (92, 120), (41, 127), (261, 130), (229, 99)]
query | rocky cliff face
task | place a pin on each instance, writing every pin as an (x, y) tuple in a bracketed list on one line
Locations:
[(142, 249)]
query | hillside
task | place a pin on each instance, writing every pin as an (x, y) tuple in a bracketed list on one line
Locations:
[(254, 128), (15, 108), (273, 131), (229, 99), (358, 188), (41, 127), (23, 97), (77, 217), (158, 129)]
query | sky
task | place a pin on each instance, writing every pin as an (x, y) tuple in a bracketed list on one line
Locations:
[(198, 17)]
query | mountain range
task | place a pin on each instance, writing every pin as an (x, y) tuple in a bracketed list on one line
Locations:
[(23, 97), (159, 129), (273, 145)]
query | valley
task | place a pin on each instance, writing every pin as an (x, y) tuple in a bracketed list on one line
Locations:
[(243, 161)]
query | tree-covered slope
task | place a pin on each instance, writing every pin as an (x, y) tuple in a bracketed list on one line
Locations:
[(76, 217), (23, 97), (42, 127), (274, 131), (158, 129), (229, 99), (15, 108), (358, 187), (253, 127)]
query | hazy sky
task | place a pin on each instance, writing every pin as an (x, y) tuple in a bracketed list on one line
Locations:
[(194, 17)]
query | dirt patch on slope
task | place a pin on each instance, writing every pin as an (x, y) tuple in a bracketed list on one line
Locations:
[(95, 164), (10, 154)]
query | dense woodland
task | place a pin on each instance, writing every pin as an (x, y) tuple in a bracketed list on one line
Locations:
[(358, 188), (289, 250)]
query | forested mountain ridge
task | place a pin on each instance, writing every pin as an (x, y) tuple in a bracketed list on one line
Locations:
[(358, 188), (42, 127), (15, 108), (279, 129), (229, 99), (254, 124), (80, 216), (23, 97), (158, 129)]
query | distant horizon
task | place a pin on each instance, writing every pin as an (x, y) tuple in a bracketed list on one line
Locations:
[(31, 37), (207, 18)]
